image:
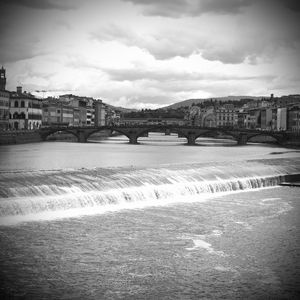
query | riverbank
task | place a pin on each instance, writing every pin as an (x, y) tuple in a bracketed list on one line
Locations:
[(19, 137)]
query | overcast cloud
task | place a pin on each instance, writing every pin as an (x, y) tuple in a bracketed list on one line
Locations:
[(151, 53)]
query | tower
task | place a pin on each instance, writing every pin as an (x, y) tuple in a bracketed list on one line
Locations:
[(2, 79)]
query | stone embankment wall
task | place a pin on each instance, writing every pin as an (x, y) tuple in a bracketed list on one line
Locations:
[(19, 137)]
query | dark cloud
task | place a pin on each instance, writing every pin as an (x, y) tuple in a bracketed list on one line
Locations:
[(41, 4), (165, 75), (293, 5), (178, 8)]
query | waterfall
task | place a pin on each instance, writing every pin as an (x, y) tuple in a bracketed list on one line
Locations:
[(27, 196)]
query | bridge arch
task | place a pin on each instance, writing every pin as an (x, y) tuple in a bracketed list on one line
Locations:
[(278, 139), (112, 128), (161, 128), (46, 134), (209, 132)]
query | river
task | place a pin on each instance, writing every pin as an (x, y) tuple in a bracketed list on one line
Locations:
[(157, 220)]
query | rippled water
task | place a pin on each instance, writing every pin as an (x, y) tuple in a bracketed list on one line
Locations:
[(184, 222)]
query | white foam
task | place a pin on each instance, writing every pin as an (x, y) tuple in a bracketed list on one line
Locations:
[(217, 232), (201, 244), (270, 199)]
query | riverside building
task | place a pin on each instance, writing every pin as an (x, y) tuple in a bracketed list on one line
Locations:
[(4, 102), (57, 113), (25, 111)]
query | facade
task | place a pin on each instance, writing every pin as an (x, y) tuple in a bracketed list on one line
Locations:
[(100, 113), (293, 123), (281, 118), (4, 102), (2, 79), (90, 112), (25, 111), (57, 113), (226, 117), (80, 108), (266, 119), (208, 118), (112, 117)]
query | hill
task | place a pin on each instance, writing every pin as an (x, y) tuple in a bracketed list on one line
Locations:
[(190, 102), (121, 109)]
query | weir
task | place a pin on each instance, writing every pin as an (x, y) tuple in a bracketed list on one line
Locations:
[(28, 196)]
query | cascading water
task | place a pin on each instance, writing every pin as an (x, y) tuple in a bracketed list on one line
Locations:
[(28, 196)]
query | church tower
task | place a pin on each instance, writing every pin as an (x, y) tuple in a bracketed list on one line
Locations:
[(2, 79)]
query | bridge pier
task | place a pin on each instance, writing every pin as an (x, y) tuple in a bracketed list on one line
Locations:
[(81, 137), (242, 139), (191, 139), (133, 140)]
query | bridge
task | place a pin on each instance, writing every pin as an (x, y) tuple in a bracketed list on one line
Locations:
[(191, 133)]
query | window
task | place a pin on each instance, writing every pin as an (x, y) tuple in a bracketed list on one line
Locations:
[(58, 111), (22, 103), (16, 104)]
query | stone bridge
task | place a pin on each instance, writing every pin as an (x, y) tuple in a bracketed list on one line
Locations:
[(191, 133)]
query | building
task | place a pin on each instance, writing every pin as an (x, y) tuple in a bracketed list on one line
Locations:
[(25, 111), (293, 119), (281, 119), (99, 113), (112, 117), (80, 108), (2, 79), (4, 102), (208, 117), (266, 119), (226, 117), (90, 112), (58, 113)]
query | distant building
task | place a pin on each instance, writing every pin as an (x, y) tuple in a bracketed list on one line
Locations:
[(4, 102), (294, 119), (56, 112), (226, 117), (90, 112), (282, 118), (2, 79), (25, 111), (80, 108), (208, 117), (266, 119), (194, 116), (242, 119), (112, 117), (100, 113)]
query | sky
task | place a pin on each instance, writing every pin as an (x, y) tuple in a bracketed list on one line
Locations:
[(151, 53)]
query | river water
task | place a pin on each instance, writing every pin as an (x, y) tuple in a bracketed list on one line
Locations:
[(158, 220)]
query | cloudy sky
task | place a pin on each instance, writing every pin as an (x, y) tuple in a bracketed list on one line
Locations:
[(151, 53)]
